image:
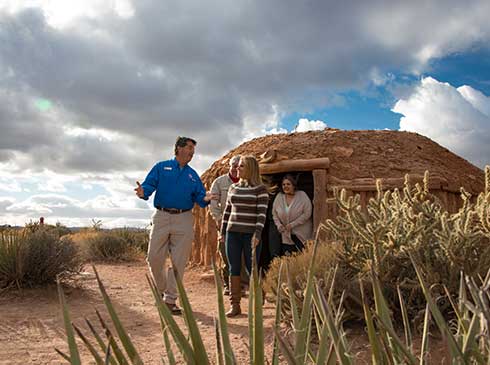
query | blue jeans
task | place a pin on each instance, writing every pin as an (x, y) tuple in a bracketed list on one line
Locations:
[(236, 243)]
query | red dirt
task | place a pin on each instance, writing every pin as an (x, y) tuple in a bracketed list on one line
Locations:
[(363, 154), (31, 324)]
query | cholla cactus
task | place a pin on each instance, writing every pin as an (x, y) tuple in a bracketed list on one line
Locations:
[(412, 221), (483, 205), (487, 180)]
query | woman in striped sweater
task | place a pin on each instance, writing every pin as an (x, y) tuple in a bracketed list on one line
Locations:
[(242, 224)]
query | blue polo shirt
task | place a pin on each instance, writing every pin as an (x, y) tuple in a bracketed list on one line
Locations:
[(175, 187)]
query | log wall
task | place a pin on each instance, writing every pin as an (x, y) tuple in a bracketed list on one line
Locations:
[(324, 205), (205, 238), (448, 194)]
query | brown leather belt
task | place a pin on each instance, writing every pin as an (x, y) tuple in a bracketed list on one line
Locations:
[(172, 210)]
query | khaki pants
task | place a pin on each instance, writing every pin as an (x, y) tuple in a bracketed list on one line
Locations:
[(170, 234)]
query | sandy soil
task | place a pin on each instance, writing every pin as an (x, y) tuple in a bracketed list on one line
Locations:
[(31, 324)]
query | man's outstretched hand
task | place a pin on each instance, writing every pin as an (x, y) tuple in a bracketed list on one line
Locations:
[(140, 193)]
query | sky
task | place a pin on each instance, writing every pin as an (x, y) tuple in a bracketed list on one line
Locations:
[(94, 92)]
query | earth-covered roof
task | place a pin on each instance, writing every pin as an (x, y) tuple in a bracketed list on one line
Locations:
[(362, 154)]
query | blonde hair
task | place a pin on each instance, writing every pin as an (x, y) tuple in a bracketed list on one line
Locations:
[(250, 170)]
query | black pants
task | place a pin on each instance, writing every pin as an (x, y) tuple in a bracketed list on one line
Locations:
[(289, 249), (275, 249)]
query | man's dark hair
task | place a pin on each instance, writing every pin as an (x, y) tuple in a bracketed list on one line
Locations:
[(182, 142)]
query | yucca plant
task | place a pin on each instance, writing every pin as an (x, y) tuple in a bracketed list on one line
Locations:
[(11, 259), (468, 342), (316, 310), (191, 346)]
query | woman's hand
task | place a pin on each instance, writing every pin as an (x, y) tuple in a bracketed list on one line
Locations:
[(255, 241), (281, 228), (288, 227), (221, 238), (210, 196)]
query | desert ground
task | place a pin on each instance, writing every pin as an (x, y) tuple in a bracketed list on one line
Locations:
[(31, 323)]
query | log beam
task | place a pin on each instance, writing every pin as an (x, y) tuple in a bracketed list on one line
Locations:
[(294, 165), (320, 197), (369, 184)]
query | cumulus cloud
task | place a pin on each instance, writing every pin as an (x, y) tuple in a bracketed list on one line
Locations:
[(457, 118), (71, 211), (305, 125), (110, 199), (116, 66), (262, 124), (5, 202), (118, 84), (10, 186)]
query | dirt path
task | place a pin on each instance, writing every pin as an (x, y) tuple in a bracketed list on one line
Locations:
[(31, 325)]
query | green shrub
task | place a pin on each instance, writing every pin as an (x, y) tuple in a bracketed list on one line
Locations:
[(32, 258), (137, 238), (108, 246), (381, 238), (58, 229)]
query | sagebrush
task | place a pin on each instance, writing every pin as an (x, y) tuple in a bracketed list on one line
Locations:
[(36, 257), (108, 246)]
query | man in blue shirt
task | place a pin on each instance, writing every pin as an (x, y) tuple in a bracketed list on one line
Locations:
[(178, 187)]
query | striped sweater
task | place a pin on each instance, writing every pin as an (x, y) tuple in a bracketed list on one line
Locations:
[(245, 209)]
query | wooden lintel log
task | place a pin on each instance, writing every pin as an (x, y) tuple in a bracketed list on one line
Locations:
[(358, 188), (320, 197), (294, 165), (434, 179)]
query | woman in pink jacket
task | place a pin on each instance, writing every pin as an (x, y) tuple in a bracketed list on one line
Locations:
[(291, 212)]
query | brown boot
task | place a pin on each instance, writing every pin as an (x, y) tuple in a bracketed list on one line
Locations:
[(236, 296)]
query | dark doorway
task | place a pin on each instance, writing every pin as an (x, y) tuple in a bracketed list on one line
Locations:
[(305, 183)]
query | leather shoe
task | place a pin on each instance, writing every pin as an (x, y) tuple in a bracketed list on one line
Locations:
[(173, 308)]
